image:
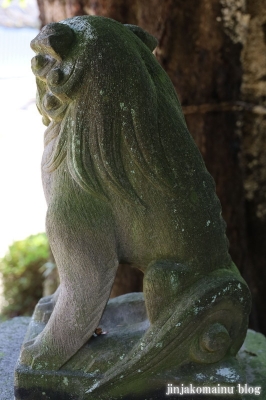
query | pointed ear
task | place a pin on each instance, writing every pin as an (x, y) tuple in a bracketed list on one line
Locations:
[(150, 41), (54, 39)]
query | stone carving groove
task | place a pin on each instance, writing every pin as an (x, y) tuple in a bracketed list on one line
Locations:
[(124, 182)]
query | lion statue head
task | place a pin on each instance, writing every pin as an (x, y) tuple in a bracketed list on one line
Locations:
[(112, 105)]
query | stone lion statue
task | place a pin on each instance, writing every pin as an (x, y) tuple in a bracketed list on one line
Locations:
[(125, 183)]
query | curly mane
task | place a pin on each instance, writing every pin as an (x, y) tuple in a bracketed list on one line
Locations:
[(124, 112)]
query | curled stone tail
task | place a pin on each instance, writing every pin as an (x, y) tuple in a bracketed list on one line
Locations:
[(206, 325)]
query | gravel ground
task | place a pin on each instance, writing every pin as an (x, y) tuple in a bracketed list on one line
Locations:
[(12, 335)]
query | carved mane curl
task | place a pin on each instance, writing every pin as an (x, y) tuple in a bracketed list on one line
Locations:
[(123, 111)]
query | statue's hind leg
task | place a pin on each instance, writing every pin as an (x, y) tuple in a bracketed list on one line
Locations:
[(83, 244), (216, 305), (204, 321)]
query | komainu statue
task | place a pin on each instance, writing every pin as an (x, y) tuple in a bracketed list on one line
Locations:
[(125, 183)]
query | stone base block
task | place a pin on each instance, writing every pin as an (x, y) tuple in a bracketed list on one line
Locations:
[(124, 322)]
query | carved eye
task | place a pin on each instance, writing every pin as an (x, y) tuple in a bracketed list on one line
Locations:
[(55, 76), (38, 62), (50, 102)]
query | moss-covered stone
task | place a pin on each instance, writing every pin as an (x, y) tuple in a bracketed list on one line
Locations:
[(252, 357), (123, 324), (125, 183)]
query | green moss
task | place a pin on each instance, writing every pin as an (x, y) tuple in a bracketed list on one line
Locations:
[(22, 275)]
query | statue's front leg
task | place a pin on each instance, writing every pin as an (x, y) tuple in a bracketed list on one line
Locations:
[(85, 253)]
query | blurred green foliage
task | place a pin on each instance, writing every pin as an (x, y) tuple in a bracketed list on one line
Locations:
[(6, 3), (22, 274)]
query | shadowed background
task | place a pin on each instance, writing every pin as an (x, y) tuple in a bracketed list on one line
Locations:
[(215, 54)]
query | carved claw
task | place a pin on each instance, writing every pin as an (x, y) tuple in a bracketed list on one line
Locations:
[(36, 354), (45, 299), (44, 309), (30, 355)]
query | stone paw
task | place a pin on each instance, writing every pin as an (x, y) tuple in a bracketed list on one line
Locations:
[(44, 309), (30, 354), (46, 299), (37, 355)]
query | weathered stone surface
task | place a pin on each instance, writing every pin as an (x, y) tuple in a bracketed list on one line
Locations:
[(123, 323), (251, 357), (125, 183)]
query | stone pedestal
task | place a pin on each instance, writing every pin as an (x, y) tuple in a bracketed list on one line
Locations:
[(124, 322)]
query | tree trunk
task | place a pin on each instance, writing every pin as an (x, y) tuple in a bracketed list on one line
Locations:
[(214, 52), (254, 146)]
